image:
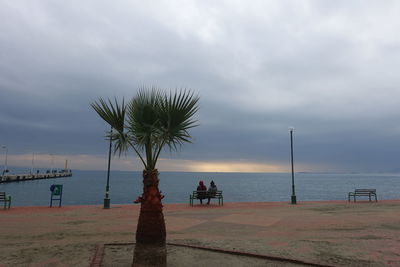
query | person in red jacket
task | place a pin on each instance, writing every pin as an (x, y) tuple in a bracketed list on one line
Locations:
[(202, 195)]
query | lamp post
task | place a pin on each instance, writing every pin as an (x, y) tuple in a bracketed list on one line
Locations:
[(107, 196), (293, 198), (33, 157), (52, 163), (5, 161)]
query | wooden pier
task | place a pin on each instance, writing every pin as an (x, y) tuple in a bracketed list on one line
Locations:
[(30, 177)]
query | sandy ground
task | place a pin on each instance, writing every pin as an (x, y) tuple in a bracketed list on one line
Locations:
[(333, 233)]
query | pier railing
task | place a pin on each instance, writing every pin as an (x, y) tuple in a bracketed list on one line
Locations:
[(28, 177)]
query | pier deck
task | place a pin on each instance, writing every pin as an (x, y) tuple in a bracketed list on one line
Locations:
[(29, 177)]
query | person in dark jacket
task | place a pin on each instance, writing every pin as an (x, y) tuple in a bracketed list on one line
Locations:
[(203, 191)]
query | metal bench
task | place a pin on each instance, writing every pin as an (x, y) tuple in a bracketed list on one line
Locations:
[(6, 199), (206, 195), (363, 192)]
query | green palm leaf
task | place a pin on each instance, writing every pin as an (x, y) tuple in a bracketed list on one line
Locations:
[(150, 121), (177, 117)]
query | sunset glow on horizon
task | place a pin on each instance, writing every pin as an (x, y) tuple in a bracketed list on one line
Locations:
[(99, 162)]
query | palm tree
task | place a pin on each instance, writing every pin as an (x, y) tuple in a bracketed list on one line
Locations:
[(151, 121)]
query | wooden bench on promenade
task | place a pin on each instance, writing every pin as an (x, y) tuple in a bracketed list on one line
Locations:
[(206, 195), (363, 192), (6, 199)]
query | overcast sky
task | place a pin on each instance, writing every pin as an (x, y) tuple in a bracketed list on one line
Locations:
[(328, 68)]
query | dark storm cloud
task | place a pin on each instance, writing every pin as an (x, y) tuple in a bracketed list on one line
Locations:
[(330, 70)]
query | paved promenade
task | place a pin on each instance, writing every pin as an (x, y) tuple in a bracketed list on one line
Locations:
[(332, 233)]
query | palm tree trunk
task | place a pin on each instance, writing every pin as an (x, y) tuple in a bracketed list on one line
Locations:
[(151, 224), (150, 249)]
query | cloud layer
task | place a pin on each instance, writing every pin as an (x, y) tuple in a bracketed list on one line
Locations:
[(329, 69)]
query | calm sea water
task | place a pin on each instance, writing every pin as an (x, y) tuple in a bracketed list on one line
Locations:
[(88, 187)]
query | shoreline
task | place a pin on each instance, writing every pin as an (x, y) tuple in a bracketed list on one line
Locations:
[(259, 188)]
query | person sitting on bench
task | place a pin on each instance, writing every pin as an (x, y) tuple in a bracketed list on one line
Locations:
[(201, 187), (211, 191)]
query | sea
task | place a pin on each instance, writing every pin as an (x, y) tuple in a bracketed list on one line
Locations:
[(88, 187)]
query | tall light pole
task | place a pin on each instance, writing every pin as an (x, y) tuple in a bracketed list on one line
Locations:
[(52, 163), (294, 201), (33, 156), (107, 196), (5, 161)]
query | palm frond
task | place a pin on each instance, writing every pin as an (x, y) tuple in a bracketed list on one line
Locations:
[(149, 121), (113, 114), (177, 118), (143, 121)]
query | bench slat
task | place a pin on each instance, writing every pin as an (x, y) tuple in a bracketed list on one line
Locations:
[(6, 199), (363, 192), (206, 194)]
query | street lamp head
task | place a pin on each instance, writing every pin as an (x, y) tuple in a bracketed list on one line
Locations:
[(3, 146), (291, 129)]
